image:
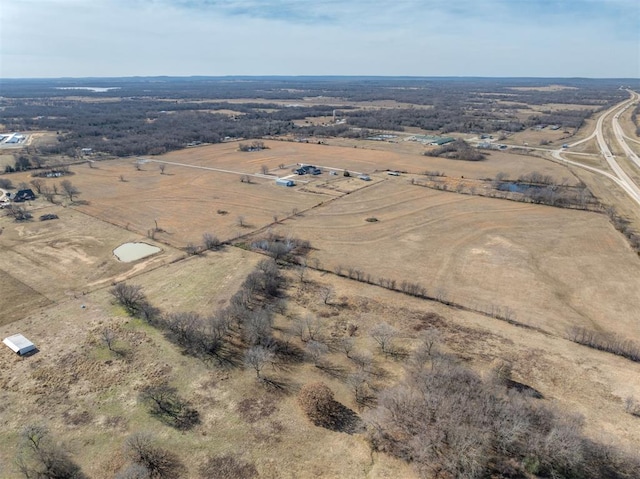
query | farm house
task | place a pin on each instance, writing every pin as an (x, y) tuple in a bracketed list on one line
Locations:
[(285, 182), (19, 344)]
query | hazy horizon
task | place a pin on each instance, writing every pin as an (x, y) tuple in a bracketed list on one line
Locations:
[(596, 39)]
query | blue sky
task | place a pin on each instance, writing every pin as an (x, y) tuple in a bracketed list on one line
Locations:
[(541, 38)]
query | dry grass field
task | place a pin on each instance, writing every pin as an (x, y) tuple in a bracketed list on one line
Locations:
[(546, 268), (50, 261), (88, 394), (96, 412), (554, 268)]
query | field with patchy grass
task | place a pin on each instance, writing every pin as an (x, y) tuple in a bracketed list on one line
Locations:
[(50, 261), (88, 394), (543, 269), (552, 268)]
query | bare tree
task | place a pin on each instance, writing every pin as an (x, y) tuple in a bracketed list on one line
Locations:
[(258, 357), (241, 221), (19, 213), (162, 167), (316, 351), (264, 169), (384, 334), (37, 183), (40, 457), (161, 463), (165, 404), (210, 241), (192, 249), (69, 189), (358, 382), (108, 337), (302, 269), (122, 178), (130, 296), (326, 293), (347, 346), (308, 328)]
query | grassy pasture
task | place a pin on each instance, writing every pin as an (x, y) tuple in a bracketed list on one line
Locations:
[(554, 268), (51, 261), (186, 202), (88, 395)]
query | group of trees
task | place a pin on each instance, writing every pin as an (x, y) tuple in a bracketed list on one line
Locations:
[(247, 316), (457, 150), (608, 342), (449, 422), (142, 121)]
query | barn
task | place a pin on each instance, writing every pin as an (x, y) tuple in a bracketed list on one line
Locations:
[(19, 344), (285, 182), (24, 195)]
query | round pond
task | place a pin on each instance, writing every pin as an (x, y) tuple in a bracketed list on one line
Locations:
[(129, 252)]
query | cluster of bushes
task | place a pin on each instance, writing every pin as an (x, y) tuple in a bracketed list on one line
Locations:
[(279, 247), (457, 150), (256, 145), (207, 337), (605, 342), (624, 226), (449, 422)]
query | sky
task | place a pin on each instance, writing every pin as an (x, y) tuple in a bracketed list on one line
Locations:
[(491, 38)]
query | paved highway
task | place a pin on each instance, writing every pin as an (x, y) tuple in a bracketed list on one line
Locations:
[(619, 176)]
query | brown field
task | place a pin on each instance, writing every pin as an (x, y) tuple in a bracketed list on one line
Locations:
[(51, 261), (546, 268), (96, 412), (554, 268), (533, 137), (185, 200)]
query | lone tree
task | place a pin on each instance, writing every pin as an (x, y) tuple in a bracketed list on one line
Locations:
[(316, 400), (258, 357), (210, 242), (165, 404), (39, 456), (108, 337), (157, 462), (37, 183), (69, 189), (162, 166), (384, 335), (130, 296)]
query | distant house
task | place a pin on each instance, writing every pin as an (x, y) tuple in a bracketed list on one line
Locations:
[(19, 344), (442, 141), (308, 169), (285, 182), (364, 177), (24, 195)]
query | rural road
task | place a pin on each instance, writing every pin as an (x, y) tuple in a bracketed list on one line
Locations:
[(619, 176), (255, 175)]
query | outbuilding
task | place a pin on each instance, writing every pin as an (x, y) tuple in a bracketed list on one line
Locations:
[(285, 182), (19, 344), (24, 195)]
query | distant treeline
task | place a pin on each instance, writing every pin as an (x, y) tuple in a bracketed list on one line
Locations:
[(155, 115)]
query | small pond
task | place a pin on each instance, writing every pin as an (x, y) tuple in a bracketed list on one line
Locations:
[(129, 252)]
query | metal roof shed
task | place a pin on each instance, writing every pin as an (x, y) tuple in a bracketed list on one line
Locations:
[(19, 344)]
